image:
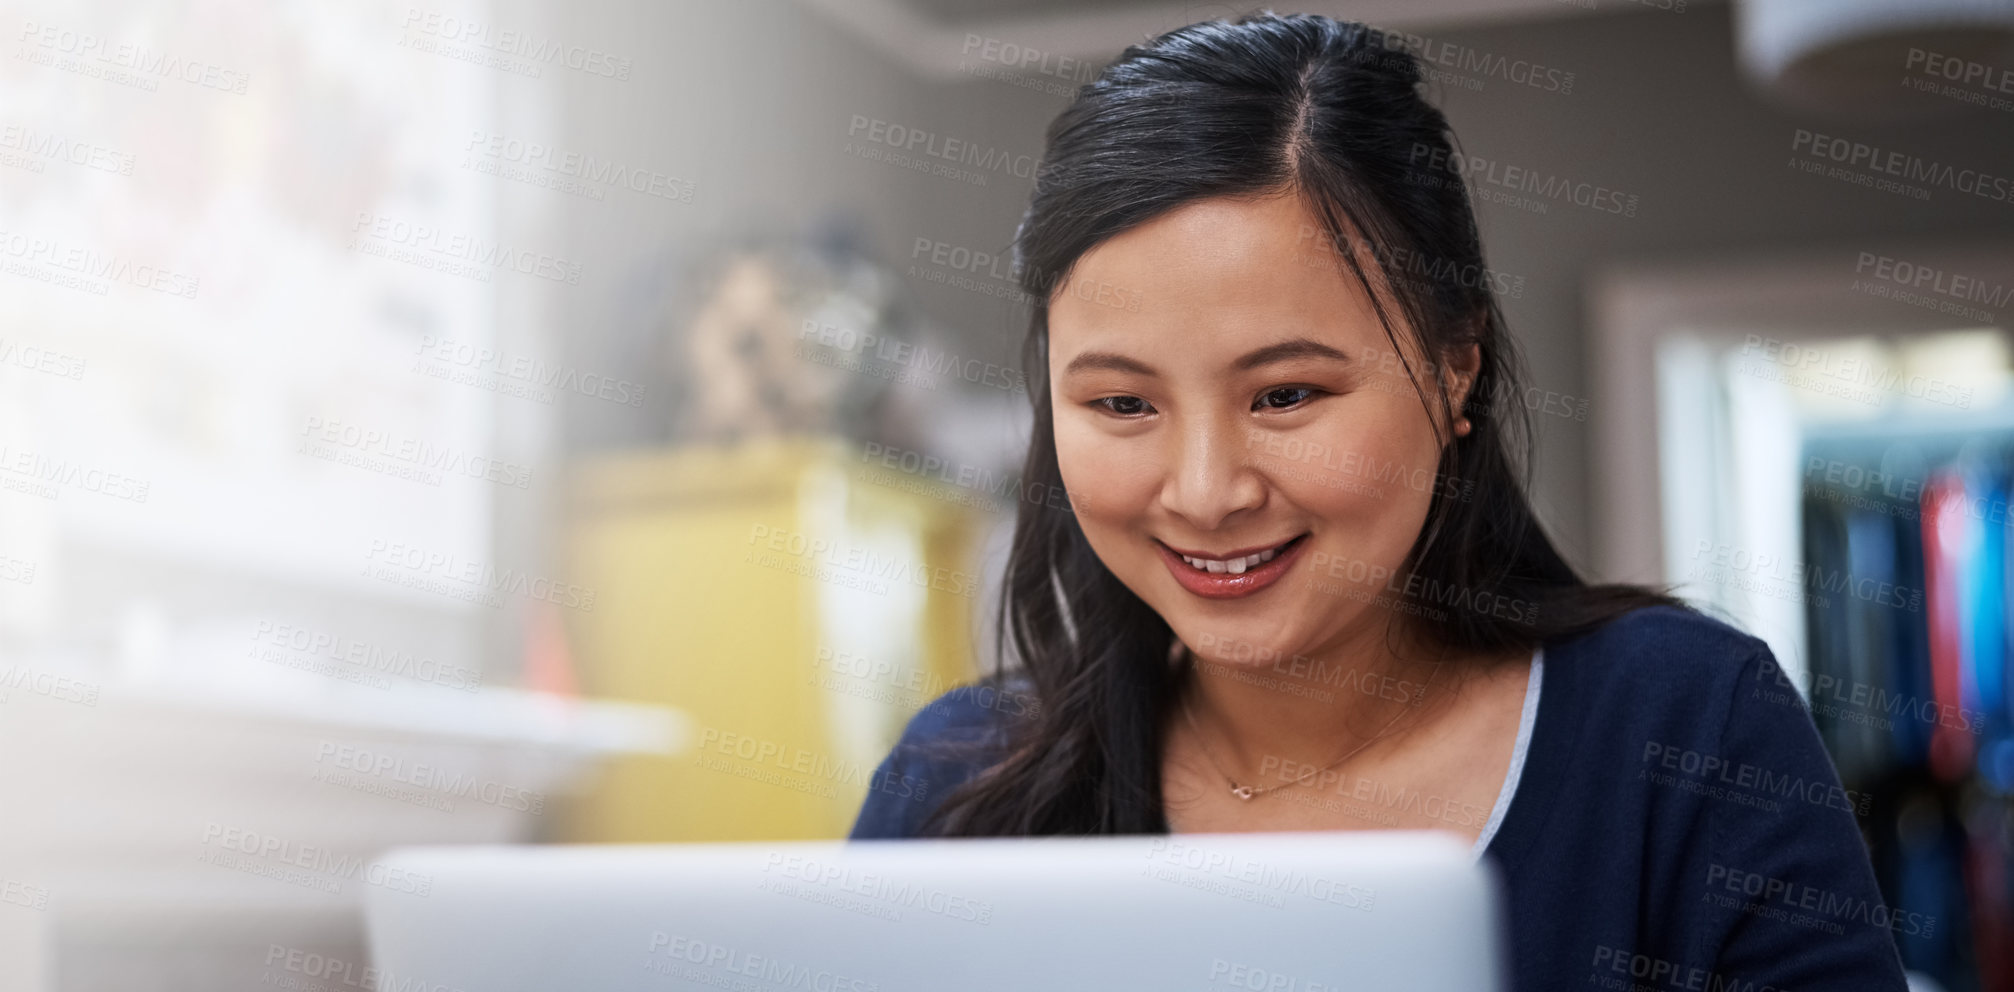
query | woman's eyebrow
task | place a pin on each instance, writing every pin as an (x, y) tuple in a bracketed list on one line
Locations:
[(1288, 350), (1094, 360), (1281, 352)]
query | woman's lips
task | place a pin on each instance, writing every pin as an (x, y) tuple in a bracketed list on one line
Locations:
[(1226, 585)]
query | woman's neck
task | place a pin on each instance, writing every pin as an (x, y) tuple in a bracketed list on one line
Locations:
[(1268, 724)]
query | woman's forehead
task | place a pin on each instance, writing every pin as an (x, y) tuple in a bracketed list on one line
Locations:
[(1217, 271)]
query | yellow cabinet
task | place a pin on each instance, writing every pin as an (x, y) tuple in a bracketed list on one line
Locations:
[(796, 604)]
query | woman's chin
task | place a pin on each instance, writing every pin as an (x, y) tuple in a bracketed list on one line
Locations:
[(1255, 649)]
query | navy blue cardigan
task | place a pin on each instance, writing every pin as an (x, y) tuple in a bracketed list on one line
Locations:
[(1678, 825)]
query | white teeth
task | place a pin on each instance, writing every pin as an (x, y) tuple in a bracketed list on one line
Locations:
[(1235, 566)]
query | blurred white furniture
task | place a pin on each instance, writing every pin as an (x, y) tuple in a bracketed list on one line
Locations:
[(121, 808)]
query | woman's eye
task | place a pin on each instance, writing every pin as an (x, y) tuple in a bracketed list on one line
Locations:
[(1125, 406), (1283, 397)]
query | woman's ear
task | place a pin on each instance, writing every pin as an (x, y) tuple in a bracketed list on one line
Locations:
[(1463, 362)]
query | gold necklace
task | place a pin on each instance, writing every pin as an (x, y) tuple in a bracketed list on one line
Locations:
[(1246, 792)]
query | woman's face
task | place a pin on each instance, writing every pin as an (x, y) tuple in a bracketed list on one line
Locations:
[(1242, 447)]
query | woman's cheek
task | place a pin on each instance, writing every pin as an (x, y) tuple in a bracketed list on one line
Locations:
[(1099, 471), (1366, 483), (1107, 510), (1076, 458), (1091, 445)]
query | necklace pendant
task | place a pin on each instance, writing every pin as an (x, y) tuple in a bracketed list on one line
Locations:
[(1242, 791)]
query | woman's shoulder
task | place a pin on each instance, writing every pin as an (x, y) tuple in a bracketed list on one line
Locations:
[(947, 742), (1671, 629), (969, 722), (1659, 658)]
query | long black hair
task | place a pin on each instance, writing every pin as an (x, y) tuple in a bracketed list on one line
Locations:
[(1268, 104)]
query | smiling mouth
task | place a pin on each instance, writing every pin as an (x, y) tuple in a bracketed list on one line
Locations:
[(1238, 565)]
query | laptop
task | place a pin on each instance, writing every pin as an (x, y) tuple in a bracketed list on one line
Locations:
[(1261, 912)]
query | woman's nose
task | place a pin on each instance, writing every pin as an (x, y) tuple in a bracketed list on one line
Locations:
[(1211, 477)]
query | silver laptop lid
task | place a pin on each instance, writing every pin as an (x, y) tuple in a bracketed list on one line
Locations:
[(1267, 912)]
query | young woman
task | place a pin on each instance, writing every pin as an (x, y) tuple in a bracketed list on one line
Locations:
[(1298, 585)]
